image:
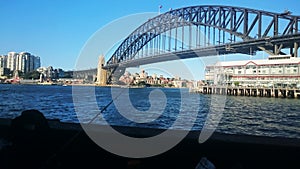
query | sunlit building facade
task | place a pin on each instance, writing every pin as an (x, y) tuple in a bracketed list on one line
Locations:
[(276, 71), (12, 61), (24, 62)]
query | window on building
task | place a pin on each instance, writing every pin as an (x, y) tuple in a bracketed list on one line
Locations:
[(239, 72), (247, 67)]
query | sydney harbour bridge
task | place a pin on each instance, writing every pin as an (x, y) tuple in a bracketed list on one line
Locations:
[(201, 31)]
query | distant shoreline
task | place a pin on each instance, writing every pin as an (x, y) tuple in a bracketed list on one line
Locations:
[(89, 84)]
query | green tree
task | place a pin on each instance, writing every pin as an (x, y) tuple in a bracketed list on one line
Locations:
[(170, 85), (32, 75), (236, 83), (141, 83)]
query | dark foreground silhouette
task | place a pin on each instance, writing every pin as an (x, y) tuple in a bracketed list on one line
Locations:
[(32, 141)]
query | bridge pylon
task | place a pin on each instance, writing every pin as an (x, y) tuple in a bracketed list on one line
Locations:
[(101, 73)]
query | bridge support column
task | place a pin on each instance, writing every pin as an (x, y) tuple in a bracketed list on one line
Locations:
[(296, 46), (101, 73)]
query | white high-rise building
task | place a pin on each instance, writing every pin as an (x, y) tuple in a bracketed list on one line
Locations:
[(27, 61), (21, 63), (24, 61), (12, 60)]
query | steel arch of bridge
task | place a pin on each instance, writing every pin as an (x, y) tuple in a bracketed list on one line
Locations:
[(247, 30)]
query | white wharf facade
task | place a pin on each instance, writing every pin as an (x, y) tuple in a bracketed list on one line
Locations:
[(276, 71)]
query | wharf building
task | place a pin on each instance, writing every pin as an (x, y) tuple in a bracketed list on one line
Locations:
[(281, 71)]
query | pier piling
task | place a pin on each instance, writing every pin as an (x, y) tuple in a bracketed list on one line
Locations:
[(250, 91)]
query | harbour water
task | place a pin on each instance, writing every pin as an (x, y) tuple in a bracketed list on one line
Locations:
[(275, 117)]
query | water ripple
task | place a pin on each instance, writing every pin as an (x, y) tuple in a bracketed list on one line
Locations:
[(242, 115)]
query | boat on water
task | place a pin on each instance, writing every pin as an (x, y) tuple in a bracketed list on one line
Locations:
[(47, 83), (141, 85), (14, 80), (132, 86)]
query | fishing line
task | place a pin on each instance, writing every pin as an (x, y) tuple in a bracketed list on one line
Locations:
[(76, 135)]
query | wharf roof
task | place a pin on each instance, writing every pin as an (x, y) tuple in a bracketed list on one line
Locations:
[(270, 61)]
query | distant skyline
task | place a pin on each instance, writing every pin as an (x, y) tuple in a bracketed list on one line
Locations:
[(57, 30)]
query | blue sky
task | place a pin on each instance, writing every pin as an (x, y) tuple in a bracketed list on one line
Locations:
[(57, 30)]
